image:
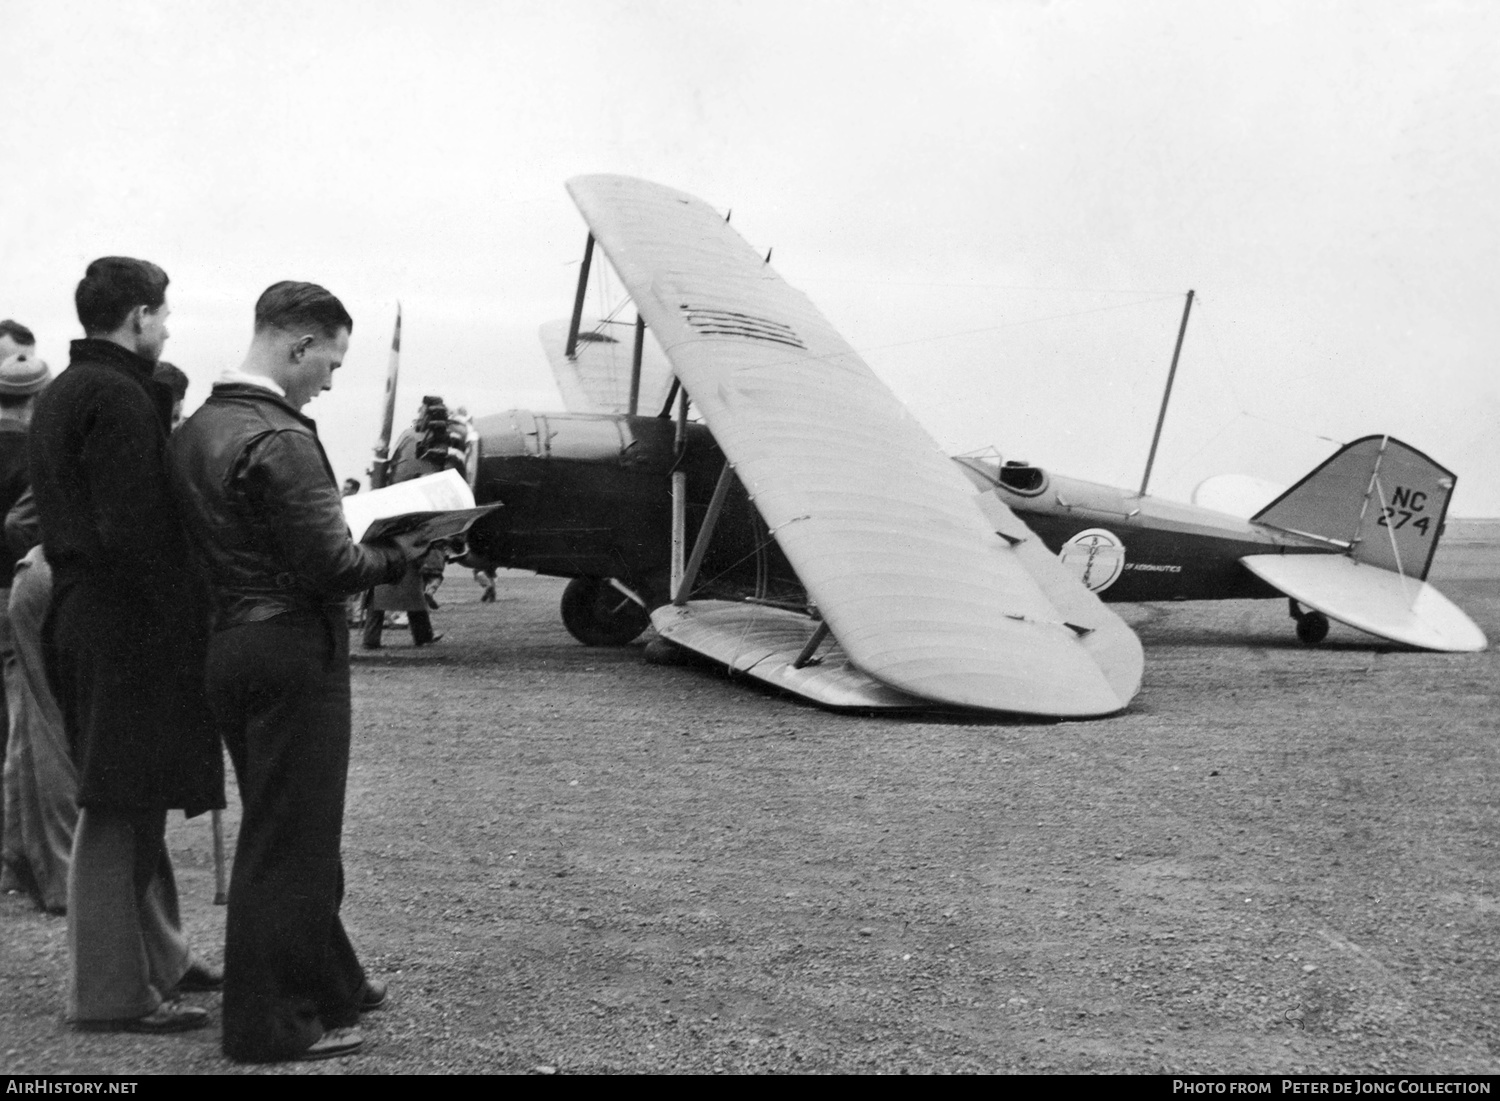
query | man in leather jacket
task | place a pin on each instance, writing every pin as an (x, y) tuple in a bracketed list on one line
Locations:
[(262, 504)]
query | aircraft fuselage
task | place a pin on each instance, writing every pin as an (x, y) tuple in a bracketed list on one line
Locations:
[(1125, 547), (588, 495)]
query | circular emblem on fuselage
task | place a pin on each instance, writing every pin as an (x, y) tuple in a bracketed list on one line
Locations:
[(1094, 556)]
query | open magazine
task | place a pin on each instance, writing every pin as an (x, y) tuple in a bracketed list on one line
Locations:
[(436, 506)]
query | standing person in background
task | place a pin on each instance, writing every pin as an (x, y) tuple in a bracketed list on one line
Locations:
[(486, 581), (436, 441), (15, 340), (22, 377), (125, 644), (264, 508), (176, 381), (41, 783)]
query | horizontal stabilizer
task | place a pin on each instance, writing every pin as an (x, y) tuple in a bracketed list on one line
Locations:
[(1402, 609), (764, 643)]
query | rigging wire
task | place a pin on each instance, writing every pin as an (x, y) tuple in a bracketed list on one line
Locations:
[(991, 286), (1010, 325), (1207, 330)]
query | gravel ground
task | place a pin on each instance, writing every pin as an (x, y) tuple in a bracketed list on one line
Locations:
[(564, 859)]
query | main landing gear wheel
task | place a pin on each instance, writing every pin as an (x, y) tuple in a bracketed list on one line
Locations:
[(1312, 627), (598, 614)]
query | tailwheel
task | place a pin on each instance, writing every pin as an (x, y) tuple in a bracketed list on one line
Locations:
[(1312, 627), (597, 613)]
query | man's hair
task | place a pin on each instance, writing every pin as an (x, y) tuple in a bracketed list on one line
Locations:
[(175, 378), (112, 287), (290, 306), (17, 332)]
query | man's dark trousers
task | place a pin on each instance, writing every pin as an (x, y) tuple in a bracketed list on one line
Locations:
[(280, 692)]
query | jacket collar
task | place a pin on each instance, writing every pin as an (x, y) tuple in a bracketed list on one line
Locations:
[(108, 353), (248, 391)]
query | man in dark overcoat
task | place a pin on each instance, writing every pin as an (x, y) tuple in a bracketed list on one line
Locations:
[(125, 642), (264, 507)]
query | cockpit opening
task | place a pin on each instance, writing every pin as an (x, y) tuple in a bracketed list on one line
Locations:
[(1023, 478), (986, 469)]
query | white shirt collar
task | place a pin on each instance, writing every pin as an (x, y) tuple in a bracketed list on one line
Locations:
[(234, 375)]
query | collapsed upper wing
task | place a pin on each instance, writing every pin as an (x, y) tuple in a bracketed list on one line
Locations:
[(882, 529)]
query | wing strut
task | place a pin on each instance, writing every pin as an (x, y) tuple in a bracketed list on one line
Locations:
[(583, 286), (666, 409), (705, 533), (635, 365), (805, 658), (679, 490)]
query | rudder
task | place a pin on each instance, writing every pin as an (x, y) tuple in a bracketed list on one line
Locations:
[(1380, 498)]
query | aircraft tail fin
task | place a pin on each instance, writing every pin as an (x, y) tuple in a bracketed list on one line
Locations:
[(1378, 498)]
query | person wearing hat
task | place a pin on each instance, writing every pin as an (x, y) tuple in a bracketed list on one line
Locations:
[(14, 338), (22, 377)]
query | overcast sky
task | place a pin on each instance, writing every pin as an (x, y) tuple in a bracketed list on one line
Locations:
[(1000, 204)]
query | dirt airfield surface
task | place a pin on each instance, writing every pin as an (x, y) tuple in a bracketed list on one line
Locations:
[(1277, 860)]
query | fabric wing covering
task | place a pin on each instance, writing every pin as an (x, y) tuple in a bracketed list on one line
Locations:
[(881, 527), (596, 379)]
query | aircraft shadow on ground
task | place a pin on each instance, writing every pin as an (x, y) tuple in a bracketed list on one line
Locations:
[(1258, 627)]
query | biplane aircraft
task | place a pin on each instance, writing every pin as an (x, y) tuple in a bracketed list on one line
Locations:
[(809, 533)]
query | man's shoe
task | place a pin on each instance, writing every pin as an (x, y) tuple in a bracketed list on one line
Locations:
[(371, 995), (336, 1042), (167, 1017), (200, 978)]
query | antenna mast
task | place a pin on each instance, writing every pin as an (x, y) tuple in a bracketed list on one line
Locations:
[(1167, 396)]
